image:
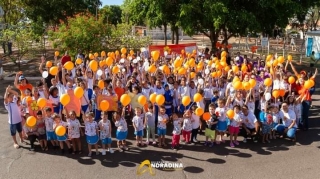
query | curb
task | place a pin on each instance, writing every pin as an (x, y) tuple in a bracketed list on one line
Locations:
[(29, 78)]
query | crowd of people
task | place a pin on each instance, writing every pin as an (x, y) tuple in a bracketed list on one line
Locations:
[(219, 93)]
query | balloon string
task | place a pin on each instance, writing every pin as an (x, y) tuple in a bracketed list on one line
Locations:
[(190, 105)]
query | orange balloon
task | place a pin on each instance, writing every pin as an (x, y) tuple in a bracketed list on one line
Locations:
[(60, 131), (268, 82), (91, 56), (246, 85), (223, 64), (125, 99), (243, 68), (49, 64), (235, 79), (160, 99), (206, 116), (103, 54), (275, 93), (192, 62), (65, 99), (78, 61), (218, 73), (269, 57), (115, 69), (252, 83), (177, 63), (182, 71), (101, 84), (56, 53), (308, 84), (289, 58), (102, 63), (109, 61), (214, 74), (28, 99), (96, 54), (197, 97), (282, 92), (104, 105), (153, 97), (41, 102), (280, 59), (117, 52), (192, 75), (31, 121), (123, 50), (230, 114), (78, 92), (54, 70), (237, 85), (93, 65), (199, 111), (152, 69), (291, 79), (186, 100), (275, 63), (142, 100), (223, 54), (69, 65), (235, 69)]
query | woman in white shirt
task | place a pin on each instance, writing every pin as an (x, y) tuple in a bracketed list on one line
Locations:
[(288, 125)]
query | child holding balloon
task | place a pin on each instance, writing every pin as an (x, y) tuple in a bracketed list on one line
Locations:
[(74, 131), (41, 129), (60, 128), (138, 125), (234, 126), (122, 129), (162, 125), (176, 131), (211, 125), (92, 132), (187, 126), (222, 123), (105, 133)]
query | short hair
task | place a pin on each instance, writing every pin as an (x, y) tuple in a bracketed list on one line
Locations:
[(162, 107), (55, 115), (212, 105), (89, 114), (39, 113), (48, 109)]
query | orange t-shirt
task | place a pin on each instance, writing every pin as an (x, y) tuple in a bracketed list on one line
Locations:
[(302, 91), (119, 91), (22, 89)]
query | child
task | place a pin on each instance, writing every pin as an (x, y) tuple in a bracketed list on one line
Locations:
[(31, 134), (211, 126), (222, 123), (14, 114), (74, 131), (54, 98), (297, 110), (168, 94), (162, 125), (275, 118), (51, 136), (195, 124), (187, 126), (266, 120), (122, 129), (91, 131), (41, 129), (150, 124), (105, 133), (57, 122), (176, 131), (97, 112), (234, 126), (137, 123)]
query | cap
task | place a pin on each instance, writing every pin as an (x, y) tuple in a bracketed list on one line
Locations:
[(303, 72), (21, 78)]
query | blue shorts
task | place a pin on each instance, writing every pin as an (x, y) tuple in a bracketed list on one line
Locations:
[(162, 132), (51, 135), (139, 133), (92, 139), (57, 109), (85, 108), (14, 128), (222, 126), (62, 138), (106, 141), (121, 135)]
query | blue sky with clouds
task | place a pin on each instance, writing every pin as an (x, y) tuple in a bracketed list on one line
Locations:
[(111, 2)]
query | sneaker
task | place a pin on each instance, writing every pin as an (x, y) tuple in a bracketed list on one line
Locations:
[(125, 148), (206, 143), (147, 142), (244, 140), (231, 144), (120, 150), (103, 152), (31, 149), (236, 142), (111, 151), (154, 143), (195, 141), (16, 146), (89, 154), (97, 152), (172, 148), (211, 145)]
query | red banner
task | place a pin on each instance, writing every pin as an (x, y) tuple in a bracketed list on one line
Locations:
[(34, 108), (188, 48), (74, 104)]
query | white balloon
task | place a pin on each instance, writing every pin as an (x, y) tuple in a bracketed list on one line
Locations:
[(165, 53), (200, 81), (213, 65), (207, 61), (135, 61), (123, 70), (138, 58), (45, 74), (178, 58), (130, 58), (267, 96), (237, 58), (206, 71), (143, 49), (122, 60), (99, 72)]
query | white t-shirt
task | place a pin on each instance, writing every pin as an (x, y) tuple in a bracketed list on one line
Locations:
[(184, 91), (138, 122), (288, 118), (91, 128), (146, 92), (54, 100), (297, 110), (221, 113), (14, 112), (85, 98), (201, 104), (208, 93), (232, 91), (196, 122), (121, 125), (193, 91), (73, 128), (162, 121), (187, 125), (150, 119), (249, 120), (275, 118), (158, 91), (90, 83), (236, 120), (49, 124), (251, 106), (105, 129), (177, 127)]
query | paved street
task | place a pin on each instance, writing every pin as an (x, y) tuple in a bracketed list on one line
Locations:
[(279, 159)]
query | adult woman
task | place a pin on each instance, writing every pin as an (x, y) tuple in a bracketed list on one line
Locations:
[(22, 84), (288, 125)]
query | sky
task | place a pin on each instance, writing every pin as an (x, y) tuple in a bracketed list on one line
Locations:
[(111, 2)]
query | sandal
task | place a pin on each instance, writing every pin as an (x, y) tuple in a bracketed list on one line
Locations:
[(120, 150)]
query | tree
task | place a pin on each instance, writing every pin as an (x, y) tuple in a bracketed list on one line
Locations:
[(12, 11), (111, 14)]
